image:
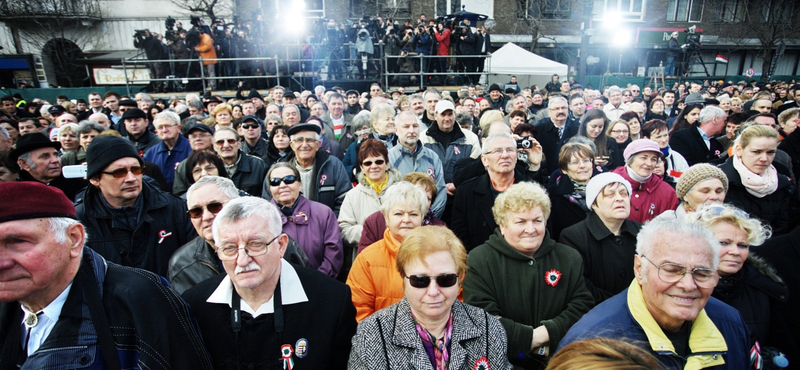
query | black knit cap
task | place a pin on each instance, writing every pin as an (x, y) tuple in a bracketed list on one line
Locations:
[(105, 150)]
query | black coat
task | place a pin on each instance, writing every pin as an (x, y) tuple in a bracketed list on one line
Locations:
[(70, 187), (607, 259), (690, 144), (327, 322), (753, 291), (791, 145), (566, 209), (472, 220), (783, 254), (250, 174), (774, 209), (163, 227), (151, 326), (551, 144)]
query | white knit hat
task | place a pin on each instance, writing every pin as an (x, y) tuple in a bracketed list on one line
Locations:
[(597, 183)]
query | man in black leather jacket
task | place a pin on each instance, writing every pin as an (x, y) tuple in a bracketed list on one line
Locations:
[(197, 260)]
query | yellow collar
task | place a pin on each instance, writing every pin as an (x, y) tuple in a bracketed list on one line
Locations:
[(706, 343)]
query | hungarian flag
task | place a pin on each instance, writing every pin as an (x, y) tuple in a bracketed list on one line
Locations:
[(721, 59)]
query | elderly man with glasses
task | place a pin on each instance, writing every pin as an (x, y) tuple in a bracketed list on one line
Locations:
[(131, 221), (323, 176), (246, 171), (264, 312), (668, 308)]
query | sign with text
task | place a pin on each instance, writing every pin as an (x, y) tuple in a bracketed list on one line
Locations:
[(116, 76)]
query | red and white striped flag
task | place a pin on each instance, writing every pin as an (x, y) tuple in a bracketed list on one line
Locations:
[(721, 59)]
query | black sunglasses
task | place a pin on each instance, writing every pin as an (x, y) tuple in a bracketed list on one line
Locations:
[(422, 281), (379, 162), (122, 172), (249, 126), (213, 207), (288, 180)]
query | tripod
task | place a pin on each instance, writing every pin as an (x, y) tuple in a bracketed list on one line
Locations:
[(694, 59)]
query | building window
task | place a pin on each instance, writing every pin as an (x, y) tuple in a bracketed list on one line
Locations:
[(628, 10), (685, 10), (548, 9), (730, 11)]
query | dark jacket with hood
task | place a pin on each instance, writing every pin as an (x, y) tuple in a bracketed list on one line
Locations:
[(162, 226), (753, 291)]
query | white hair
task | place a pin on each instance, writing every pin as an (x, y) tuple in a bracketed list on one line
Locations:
[(405, 192), (225, 185), (58, 228), (668, 228), (246, 207), (710, 112), (495, 136)]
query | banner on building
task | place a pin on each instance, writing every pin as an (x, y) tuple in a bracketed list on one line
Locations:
[(116, 76), (721, 59)]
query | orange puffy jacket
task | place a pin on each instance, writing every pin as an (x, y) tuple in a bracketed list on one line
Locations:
[(206, 49)]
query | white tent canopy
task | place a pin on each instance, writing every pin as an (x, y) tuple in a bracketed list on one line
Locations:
[(530, 69)]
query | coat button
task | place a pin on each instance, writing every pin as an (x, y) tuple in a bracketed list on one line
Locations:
[(483, 223), (636, 208), (83, 360), (622, 273), (636, 195), (530, 263)]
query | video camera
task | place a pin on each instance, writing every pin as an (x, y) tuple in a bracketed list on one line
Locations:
[(170, 34), (141, 34), (692, 39)]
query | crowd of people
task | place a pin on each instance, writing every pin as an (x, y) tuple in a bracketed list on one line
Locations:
[(331, 47), (471, 229)]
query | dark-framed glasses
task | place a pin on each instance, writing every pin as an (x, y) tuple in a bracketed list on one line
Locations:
[(671, 273), (288, 180), (247, 126), (252, 249), (423, 281), (122, 172), (378, 162), (213, 207)]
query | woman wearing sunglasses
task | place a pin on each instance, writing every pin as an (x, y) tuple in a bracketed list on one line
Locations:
[(312, 224), (373, 282), (522, 275), (747, 283), (365, 199), (429, 327)]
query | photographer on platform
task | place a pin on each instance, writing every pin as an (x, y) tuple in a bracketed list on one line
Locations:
[(422, 45), (673, 49), (207, 51), (145, 40)]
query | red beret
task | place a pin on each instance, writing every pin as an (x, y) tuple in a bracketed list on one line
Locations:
[(34, 200)]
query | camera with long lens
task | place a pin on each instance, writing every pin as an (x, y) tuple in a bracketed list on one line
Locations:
[(140, 34), (692, 39), (170, 33)]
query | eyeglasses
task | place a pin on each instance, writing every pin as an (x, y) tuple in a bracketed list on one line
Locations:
[(122, 172), (379, 162), (253, 249), (288, 180), (617, 132), (164, 127), (500, 151), (199, 136), (301, 140), (423, 281), (249, 126), (718, 210), (671, 273), (213, 207), (581, 161), (223, 141)]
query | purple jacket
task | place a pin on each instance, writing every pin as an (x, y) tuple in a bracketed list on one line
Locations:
[(316, 230)]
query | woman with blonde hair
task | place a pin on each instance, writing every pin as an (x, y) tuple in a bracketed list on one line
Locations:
[(521, 275), (747, 283), (222, 116), (755, 186)]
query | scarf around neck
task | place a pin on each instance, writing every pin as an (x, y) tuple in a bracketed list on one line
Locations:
[(755, 184)]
